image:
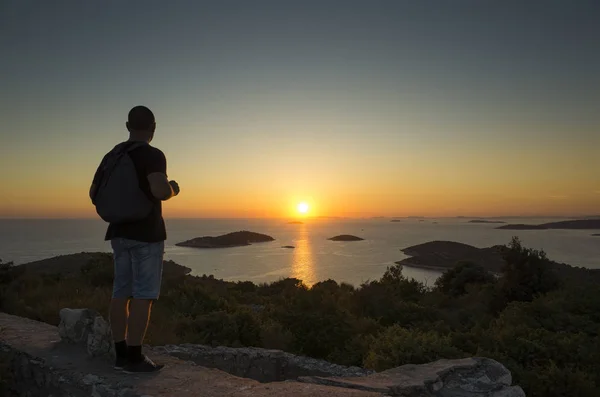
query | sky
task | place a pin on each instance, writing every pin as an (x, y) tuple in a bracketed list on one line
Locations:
[(358, 108)]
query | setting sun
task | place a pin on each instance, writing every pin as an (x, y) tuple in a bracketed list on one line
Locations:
[(303, 208)]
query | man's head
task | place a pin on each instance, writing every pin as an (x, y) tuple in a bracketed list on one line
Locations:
[(141, 123)]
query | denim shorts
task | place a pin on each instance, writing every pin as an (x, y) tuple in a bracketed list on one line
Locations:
[(138, 268)]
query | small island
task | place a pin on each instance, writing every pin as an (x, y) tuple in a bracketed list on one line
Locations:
[(396, 220), (345, 237), (235, 239), (443, 255), (596, 235), (579, 224), (287, 246), (484, 221), (295, 223)]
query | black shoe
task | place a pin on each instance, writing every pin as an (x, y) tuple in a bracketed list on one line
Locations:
[(120, 363), (144, 366)]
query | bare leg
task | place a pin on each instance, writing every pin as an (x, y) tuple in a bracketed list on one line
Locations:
[(119, 311), (139, 317)]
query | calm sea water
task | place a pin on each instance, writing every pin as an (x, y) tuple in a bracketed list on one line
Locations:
[(314, 258)]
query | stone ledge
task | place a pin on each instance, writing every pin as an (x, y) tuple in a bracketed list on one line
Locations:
[(263, 365), (42, 366), (469, 377)]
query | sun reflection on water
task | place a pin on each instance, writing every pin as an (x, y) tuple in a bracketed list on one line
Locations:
[(303, 267)]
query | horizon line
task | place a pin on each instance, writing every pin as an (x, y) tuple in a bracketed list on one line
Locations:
[(307, 218)]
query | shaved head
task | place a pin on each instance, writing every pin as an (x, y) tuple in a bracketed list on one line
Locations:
[(140, 118)]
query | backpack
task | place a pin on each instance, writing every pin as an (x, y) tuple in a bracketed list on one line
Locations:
[(119, 198)]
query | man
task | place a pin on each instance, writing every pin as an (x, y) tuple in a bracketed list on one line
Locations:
[(138, 245)]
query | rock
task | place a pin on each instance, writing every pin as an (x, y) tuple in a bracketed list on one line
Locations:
[(345, 237), (263, 365), (484, 221), (86, 327), (235, 239), (76, 324), (90, 379), (469, 377), (288, 246), (100, 341)]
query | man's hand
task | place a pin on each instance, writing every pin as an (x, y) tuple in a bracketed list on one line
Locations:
[(175, 187)]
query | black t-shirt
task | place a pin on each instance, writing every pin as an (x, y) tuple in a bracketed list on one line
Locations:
[(147, 160)]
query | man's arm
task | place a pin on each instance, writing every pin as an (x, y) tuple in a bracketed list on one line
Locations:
[(160, 186), (157, 177)]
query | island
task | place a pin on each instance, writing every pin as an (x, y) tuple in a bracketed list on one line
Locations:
[(73, 265), (345, 237), (579, 224), (235, 239), (288, 246), (396, 220), (295, 223), (596, 235), (484, 221), (443, 255)]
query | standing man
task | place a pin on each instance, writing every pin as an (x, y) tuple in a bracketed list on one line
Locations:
[(128, 189)]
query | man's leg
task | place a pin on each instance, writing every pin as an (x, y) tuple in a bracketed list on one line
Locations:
[(122, 290), (119, 312), (147, 261)]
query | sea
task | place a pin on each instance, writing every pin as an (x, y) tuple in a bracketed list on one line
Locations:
[(314, 258)]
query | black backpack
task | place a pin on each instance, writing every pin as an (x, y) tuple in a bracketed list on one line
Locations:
[(119, 198)]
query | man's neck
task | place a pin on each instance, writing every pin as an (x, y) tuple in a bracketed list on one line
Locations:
[(138, 138)]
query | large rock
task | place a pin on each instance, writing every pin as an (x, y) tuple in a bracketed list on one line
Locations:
[(86, 327), (469, 377), (263, 365)]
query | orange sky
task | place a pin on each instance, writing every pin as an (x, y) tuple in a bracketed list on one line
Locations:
[(394, 110), (429, 183)]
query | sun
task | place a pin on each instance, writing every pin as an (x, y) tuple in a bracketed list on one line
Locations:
[(302, 208)]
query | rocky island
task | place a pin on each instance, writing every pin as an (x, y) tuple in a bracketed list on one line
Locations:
[(443, 255), (396, 220), (235, 239), (73, 265), (579, 224), (345, 237), (484, 221), (295, 223), (288, 246)]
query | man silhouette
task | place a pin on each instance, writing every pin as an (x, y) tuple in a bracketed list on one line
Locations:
[(138, 246)]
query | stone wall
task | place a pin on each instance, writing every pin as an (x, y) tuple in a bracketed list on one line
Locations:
[(262, 365), (41, 363)]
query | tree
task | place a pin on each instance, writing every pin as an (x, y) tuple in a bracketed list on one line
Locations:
[(454, 281), (527, 273)]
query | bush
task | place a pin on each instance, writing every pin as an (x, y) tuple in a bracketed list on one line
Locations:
[(397, 346)]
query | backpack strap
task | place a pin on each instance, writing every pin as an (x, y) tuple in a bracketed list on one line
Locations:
[(134, 145)]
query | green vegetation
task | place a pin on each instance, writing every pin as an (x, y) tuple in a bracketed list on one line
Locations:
[(540, 319)]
